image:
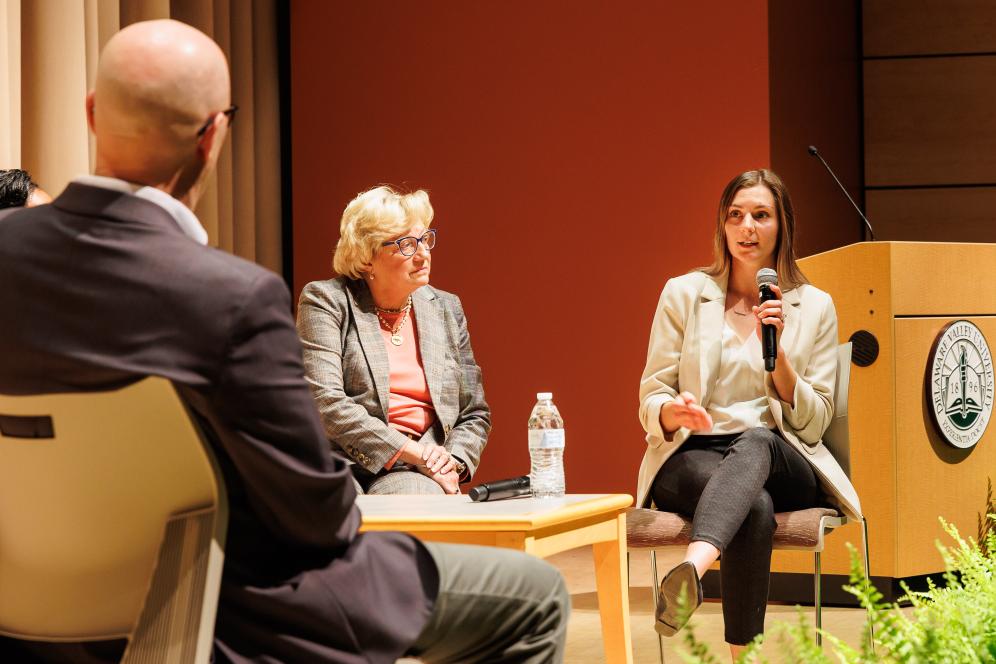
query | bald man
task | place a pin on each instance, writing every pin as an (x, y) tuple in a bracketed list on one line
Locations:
[(113, 282)]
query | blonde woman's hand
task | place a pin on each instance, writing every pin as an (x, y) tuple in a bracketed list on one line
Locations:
[(450, 482), (438, 459)]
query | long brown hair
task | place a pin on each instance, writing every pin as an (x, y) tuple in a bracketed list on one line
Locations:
[(789, 274)]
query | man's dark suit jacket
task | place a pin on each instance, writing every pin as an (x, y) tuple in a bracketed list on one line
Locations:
[(100, 289)]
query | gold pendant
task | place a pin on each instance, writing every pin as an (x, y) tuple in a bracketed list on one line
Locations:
[(396, 339)]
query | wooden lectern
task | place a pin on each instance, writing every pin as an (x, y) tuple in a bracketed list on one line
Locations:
[(904, 294)]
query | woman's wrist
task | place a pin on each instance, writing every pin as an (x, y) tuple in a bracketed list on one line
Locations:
[(412, 452), (668, 425)]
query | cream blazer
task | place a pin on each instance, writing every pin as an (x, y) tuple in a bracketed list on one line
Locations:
[(684, 355)]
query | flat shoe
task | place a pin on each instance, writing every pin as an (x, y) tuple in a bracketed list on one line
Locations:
[(683, 576)]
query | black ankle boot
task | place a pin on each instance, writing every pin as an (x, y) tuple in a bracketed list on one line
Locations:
[(682, 576)]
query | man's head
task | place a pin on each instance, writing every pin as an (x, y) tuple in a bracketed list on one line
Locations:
[(18, 189), (158, 107)]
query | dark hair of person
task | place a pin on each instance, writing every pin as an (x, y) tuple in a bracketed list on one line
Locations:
[(789, 274), (15, 188)]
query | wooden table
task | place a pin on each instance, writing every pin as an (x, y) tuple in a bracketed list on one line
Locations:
[(541, 527)]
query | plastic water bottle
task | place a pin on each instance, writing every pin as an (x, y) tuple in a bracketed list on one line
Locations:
[(546, 448)]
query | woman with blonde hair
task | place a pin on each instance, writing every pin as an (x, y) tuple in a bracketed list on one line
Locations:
[(388, 357), (729, 443)]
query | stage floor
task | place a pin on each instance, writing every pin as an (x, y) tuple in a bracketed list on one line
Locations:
[(584, 633)]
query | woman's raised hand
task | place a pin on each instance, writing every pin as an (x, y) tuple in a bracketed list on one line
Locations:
[(683, 411)]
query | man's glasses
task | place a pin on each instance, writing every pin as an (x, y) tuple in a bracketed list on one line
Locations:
[(229, 113), (409, 245)]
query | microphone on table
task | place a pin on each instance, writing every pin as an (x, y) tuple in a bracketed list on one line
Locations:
[(766, 278), (500, 489), (816, 153)]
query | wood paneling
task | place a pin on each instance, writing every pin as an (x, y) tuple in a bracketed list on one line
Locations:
[(933, 479), (930, 121), (905, 476), (939, 279), (857, 277), (934, 215), (899, 27)]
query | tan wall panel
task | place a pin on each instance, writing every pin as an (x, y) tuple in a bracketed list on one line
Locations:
[(10, 83), (943, 279), (895, 27), (930, 121), (933, 215), (857, 277), (53, 125), (934, 479)]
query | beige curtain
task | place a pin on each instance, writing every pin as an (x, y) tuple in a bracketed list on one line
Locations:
[(48, 59)]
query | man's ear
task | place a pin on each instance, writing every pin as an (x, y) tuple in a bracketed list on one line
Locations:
[(91, 122), (206, 140)]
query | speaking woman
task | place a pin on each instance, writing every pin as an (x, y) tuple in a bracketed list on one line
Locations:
[(729, 444), (389, 357)]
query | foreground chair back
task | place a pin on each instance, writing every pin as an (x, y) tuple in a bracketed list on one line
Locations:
[(112, 522), (800, 530)]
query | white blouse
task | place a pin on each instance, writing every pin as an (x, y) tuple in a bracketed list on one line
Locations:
[(738, 402)]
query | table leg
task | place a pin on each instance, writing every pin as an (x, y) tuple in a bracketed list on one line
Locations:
[(613, 595)]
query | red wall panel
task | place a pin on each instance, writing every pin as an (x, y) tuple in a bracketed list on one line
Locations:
[(574, 153)]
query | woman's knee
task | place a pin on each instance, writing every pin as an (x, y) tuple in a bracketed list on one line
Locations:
[(754, 446), (761, 515), (404, 482), (756, 438)]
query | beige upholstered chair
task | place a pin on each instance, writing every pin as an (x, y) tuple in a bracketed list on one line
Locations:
[(802, 530), (112, 522)]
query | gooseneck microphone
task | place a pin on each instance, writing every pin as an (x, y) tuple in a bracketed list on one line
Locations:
[(816, 153), (766, 278), (500, 489)]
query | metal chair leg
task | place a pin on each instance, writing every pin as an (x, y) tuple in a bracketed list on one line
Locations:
[(817, 602), (653, 590), (864, 545)]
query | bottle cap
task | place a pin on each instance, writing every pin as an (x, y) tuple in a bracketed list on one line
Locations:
[(544, 396)]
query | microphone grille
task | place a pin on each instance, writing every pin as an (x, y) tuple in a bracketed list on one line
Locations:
[(767, 276)]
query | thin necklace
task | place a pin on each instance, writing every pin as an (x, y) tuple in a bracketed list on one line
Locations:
[(739, 313), (395, 330)]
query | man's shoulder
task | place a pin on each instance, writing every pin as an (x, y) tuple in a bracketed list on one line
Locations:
[(8, 211), (218, 273)]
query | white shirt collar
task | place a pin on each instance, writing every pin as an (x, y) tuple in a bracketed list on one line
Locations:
[(181, 214)]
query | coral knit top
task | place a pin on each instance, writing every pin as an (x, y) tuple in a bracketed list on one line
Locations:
[(410, 408)]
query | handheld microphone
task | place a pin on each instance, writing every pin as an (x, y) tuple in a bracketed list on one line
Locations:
[(766, 278), (816, 153), (500, 489)]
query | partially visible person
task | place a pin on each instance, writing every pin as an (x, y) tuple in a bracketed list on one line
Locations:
[(389, 357), (729, 444), (17, 189), (114, 282)]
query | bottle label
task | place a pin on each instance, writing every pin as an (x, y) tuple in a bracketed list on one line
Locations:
[(546, 439)]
